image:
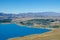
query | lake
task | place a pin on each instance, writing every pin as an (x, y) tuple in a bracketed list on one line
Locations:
[(13, 30)]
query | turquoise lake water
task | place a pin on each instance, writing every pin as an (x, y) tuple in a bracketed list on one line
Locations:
[(13, 30)]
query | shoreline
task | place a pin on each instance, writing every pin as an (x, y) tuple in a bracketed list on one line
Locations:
[(40, 36), (36, 27), (5, 23), (32, 34)]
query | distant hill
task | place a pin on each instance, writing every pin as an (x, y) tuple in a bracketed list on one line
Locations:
[(38, 14)]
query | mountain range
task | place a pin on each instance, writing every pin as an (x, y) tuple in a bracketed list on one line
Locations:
[(38, 14)]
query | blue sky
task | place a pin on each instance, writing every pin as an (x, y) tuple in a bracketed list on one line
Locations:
[(21, 6)]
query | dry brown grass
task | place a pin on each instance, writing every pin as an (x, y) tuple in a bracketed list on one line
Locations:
[(53, 35)]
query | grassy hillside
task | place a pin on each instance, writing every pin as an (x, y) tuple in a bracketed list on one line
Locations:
[(50, 23)]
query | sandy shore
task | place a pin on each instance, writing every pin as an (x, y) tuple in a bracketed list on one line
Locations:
[(53, 35)]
